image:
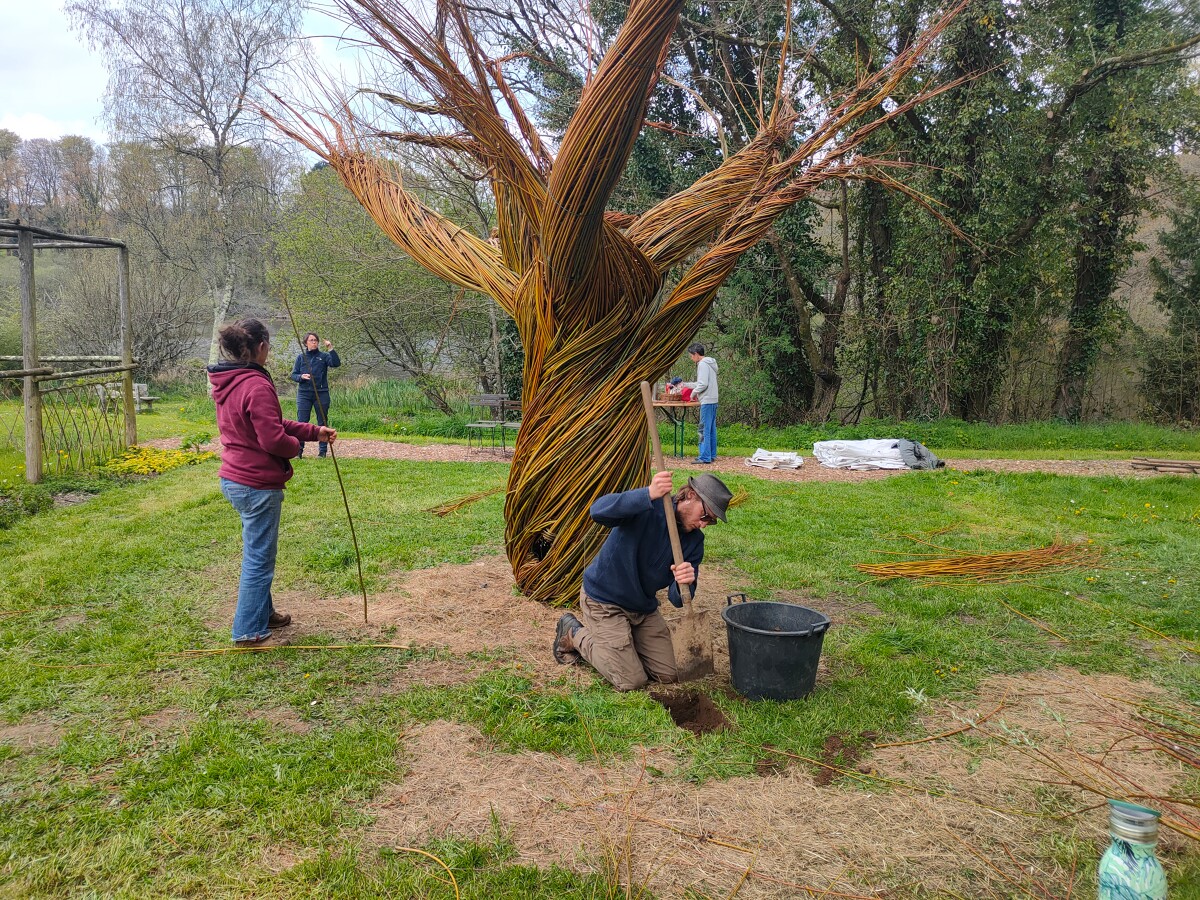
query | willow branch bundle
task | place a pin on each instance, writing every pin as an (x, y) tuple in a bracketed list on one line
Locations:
[(585, 285), (455, 505), (990, 568)]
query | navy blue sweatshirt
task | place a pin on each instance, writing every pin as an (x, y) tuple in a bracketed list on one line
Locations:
[(634, 563), (318, 363)]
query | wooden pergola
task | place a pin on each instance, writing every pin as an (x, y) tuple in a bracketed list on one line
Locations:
[(25, 239)]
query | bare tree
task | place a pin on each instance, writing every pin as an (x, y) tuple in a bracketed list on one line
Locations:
[(184, 74), (41, 162)]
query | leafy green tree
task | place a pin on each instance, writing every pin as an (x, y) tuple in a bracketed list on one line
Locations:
[(10, 172), (1171, 370), (1027, 158), (341, 272), (1140, 109)]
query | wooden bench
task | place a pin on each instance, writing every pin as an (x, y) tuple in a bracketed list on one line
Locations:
[(141, 397)]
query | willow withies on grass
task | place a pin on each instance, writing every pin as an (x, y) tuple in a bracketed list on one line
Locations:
[(586, 287)]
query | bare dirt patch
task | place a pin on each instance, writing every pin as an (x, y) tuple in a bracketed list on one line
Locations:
[(31, 735), (471, 613), (779, 822), (430, 672), (170, 718), (838, 753), (692, 711), (1088, 467), (1063, 712), (772, 764), (72, 498), (277, 858), (283, 718), (66, 623)]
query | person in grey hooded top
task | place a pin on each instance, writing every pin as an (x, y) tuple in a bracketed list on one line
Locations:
[(704, 389)]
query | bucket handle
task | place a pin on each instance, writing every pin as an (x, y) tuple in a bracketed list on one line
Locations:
[(815, 630)]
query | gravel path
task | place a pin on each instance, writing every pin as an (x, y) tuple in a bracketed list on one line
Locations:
[(365, 448)]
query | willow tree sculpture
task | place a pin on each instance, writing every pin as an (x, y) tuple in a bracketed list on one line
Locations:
[(585, 287)]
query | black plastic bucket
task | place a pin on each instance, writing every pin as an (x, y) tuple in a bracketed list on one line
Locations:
[(773, 648)]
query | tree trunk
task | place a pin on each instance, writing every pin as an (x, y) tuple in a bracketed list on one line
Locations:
[(222, 295), (1097, 265), (559, 460)]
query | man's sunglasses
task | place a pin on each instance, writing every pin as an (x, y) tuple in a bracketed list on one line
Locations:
[(708, 518)]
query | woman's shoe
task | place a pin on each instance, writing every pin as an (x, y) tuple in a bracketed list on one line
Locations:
[(252, 642), (278, 619)]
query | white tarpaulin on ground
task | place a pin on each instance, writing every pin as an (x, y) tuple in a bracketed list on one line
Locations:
[(879, 453), (775, 459)]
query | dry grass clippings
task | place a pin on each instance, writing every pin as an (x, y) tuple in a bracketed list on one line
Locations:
[(902, 824)]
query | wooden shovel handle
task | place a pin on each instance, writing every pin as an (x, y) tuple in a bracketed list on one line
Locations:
[(685, 590)]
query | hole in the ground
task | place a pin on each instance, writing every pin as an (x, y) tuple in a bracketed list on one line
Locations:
[(692, 710), (838, 752)]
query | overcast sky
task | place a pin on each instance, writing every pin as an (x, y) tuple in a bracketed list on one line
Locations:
[(52, 83)]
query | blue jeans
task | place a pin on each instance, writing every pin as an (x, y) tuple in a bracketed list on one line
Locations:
[(305, 406), (260, 511), (708, 432)]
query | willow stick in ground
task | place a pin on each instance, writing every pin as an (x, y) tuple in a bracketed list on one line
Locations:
[(336, 468)]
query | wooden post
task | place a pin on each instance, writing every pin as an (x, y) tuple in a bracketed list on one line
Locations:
[(126, 346), (29, 356)]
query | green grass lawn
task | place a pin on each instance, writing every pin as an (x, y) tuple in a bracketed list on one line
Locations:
[(97, 597)]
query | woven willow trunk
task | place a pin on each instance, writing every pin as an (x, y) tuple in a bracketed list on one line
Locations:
[(585, 286), (583, 434)]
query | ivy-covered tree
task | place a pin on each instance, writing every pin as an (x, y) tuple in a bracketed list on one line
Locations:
[(1171, 370), (1043, 174)]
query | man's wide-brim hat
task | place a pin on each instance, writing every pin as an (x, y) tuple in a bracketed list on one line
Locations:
[(713, 492)]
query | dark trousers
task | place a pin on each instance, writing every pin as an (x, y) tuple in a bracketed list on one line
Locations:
[(306, 405)]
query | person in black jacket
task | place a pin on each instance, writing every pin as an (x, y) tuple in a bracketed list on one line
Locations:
[(311, 373)]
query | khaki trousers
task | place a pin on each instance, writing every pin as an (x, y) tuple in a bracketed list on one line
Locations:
[(629, 649)]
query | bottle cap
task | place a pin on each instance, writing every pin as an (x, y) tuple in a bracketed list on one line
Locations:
[(1131, 822)]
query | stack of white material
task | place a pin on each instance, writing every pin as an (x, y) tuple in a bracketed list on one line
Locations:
[(775, 459), (868, 454)]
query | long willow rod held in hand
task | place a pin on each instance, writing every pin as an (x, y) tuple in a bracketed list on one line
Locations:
[(332, 455), (685, 590)]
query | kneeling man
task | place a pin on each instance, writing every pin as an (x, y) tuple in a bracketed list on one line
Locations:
[(619, 629)]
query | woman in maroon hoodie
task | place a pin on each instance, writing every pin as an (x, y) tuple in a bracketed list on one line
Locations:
[(257, 442)]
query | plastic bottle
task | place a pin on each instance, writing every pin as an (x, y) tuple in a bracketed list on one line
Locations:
[(1129, 870)]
